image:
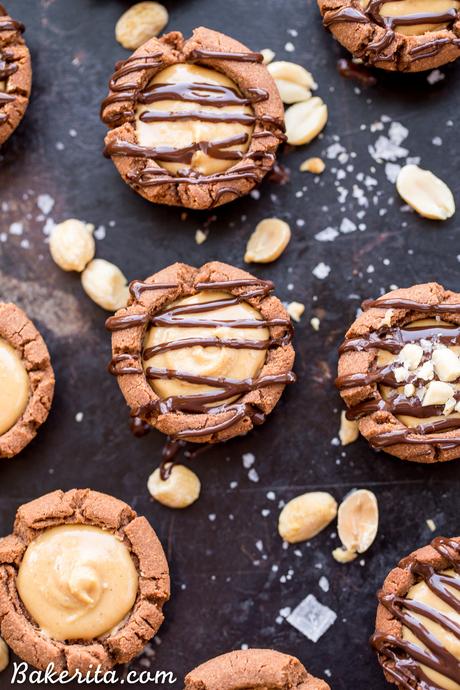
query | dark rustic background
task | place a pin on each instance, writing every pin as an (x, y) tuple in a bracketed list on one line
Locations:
[(226, 591)]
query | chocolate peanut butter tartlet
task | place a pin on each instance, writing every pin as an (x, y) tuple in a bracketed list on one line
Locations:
[(202, 354), (82, 582), (397, 35), (193, 122), (26, 380), (15, 74), (399, 373), (253, 669), (417, 635)]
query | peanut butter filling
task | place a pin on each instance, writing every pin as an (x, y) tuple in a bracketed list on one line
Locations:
[(207, 361), (422, 594), (77, 582), (14, 387), (425, 373), (188, 116), (416, 14)]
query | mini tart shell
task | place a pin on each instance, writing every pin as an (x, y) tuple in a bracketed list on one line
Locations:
[(19, 84), (353, 362), (399, 581), (175, 49), (83, 507), (17, 330), (399, 55), (137, 390), (258, 669)]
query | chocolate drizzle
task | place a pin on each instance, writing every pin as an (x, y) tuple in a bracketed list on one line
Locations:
[(376, 49), (402, 658), (393, 339), (211, 402), (213, 95), (8, 64)]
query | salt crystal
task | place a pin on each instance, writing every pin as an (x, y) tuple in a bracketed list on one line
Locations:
[(321, 271), (99, 233), (324, 583), (435, 76), (397, 133), (311, 618), (16, 228), (253, 476), (326, 235), (392, 172), (45, 203), (387, 150), (248, 460), (347, 226)]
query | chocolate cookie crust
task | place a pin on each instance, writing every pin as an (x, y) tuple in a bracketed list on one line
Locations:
[(137, 165), (15, 74), (83, 507), (397, 657), (185, 418), (375, 39), (253, 669), (382, 325), (17, 330)]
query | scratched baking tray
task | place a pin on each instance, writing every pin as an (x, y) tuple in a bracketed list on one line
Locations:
[(230, 575)]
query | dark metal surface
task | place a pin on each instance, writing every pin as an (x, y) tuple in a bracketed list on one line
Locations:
[(226, 592)]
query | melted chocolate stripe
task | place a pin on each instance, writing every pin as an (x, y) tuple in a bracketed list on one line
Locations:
[(401, 655)]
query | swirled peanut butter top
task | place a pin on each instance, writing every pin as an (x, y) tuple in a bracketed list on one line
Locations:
[(77, 582), (434, 601), (14, 386), (195, 119), (202, 360)]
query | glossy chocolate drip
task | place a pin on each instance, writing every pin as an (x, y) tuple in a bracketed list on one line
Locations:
[(350, 70), (201, 53), (8, 24), (410, 305), (214, 95), (185, 316), (393, 340), (401, 658), (375, 50)]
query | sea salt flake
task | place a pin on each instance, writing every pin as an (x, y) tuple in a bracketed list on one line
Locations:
[(45, 203), (248, 460), (347, 226), (326, 235), (385, 149), (253, 476), (435, 76), (392, 171), (324, 583), (16, 228), (398, 133), (321, 271), (311, 618)]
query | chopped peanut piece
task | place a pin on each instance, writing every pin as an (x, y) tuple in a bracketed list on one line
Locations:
[(313, 165)]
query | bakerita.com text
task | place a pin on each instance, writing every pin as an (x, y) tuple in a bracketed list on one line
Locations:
[(22, 673)]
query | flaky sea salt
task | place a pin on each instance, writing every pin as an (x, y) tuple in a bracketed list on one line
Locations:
[(324, 583), (347, 226), (321, 271), (326, 235), (45, 203), (311, 618), (248, 460), (435, 76)]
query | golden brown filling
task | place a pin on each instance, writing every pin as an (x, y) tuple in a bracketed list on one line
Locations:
[(77, 582), (412, 8), (14, 387), (206, 361), (428, 370), (423, 594), (182, 133)]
